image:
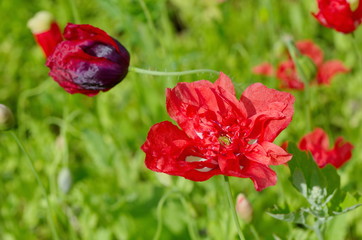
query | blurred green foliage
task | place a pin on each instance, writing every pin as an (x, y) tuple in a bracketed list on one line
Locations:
[(113, 195)]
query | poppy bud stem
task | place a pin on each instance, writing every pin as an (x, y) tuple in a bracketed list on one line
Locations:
[(158, 73), (31, 165), (232, 207)]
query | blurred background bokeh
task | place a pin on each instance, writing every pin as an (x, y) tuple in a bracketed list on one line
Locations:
[(112, 194)]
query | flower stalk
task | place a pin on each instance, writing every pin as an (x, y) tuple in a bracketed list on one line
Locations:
[(32, 168), (231, 205), (160, 73)]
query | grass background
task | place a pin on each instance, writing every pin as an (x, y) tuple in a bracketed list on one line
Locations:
[(113, 195)]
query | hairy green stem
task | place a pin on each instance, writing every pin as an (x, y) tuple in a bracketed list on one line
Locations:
[(159, 73), (317, 229), (232, 207), (31, 165)]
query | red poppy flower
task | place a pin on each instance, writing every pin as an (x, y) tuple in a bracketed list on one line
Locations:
[(317, 143), (339, 15), (265, 69), (220, 134), (46, 32), (88, 61)]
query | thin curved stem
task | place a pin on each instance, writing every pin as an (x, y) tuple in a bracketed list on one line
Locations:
[(159, 216), (159, 73), (232, 206), (190, 225), (31, 165)]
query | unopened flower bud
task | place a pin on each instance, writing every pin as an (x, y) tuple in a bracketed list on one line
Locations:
[(88, 60), (7, 120), (244, 208), (46, 31), (65, 180)]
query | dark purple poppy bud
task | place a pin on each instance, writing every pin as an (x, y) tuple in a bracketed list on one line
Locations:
[(88, 61)]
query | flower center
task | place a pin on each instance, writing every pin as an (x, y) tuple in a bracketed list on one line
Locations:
[(224, 140), (353, 4)]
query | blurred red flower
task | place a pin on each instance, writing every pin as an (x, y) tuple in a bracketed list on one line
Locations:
[(340, 15), (220, 134), (265, 69), (88, 60), (287, 72), (310, 49), (328, 69), (317, 143)]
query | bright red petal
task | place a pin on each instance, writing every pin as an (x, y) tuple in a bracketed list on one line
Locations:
[(224, 82), (199, 105), (167, 150), (50, 39), (258, 98), (328, 69), (337, 14), (277, 154), (261, 175), (268, 153)]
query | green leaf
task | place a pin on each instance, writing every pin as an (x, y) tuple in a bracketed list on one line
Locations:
[(332, 178), (306, 177), (294, 217), (347, 209), (349, 203)]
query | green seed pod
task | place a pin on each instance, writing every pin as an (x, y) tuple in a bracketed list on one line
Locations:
[(7, 120)]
